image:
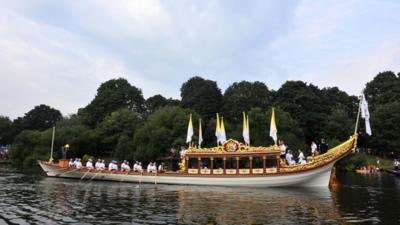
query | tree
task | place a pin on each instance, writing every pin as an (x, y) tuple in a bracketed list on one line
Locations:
[(40, 118), (384, 88), (385, 124), (203, 96), (6, 130), (157, 101), (305, 105), (163, 130), (112, 95), (241, 97), (120, 123)]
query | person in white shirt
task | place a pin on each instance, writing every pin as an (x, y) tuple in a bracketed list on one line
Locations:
[(154, 167), (78, 164), (149, 167), (71, 163), (97, 164), (89, 164), (102, 165), (282, 148), (125, 166), (135, 166), (161, 167), (289, 158), (139, 167), (302, 159), (313, 149), (75, 161)]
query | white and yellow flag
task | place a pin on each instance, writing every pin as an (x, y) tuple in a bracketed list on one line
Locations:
[(246, 129), (217, 129), (222, 130), (200, 134), (189, 130), (273, 132)]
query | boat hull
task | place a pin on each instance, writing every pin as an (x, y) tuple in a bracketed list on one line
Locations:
[(309, 178)]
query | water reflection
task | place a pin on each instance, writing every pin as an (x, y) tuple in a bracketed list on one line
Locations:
[(29, 198)]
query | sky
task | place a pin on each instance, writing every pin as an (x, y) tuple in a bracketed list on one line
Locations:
[(59, 52)]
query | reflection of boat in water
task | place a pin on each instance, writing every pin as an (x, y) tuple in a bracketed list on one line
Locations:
[(232, 164)]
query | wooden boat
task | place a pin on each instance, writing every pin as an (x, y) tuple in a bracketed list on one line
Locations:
[(394, 171), (231, 164)]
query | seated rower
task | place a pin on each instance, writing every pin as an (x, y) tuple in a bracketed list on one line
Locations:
[(97, 164), (102, 165), (125, 166), (135, 166), (149, 166), (112, 166), (154, 167), (289, 158), (302, 159), (89, 164), (78, 164), (161, 168), (71, 163), (139, 167)]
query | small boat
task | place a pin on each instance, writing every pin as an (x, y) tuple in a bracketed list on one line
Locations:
[(393, 171)]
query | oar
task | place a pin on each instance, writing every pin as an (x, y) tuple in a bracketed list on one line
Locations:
[(84, 175), (95, 175), (69, 171)]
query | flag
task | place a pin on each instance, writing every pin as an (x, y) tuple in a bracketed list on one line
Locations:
[(222, 129), (273, 132), (200, 134), (217, 129), (189, 130), (246, 132), (365, 115)]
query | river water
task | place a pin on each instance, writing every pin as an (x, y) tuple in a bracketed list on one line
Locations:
[(28, 197)]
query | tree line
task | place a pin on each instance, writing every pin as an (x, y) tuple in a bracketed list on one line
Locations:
[(119, 122)]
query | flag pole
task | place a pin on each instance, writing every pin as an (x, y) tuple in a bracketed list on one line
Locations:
[(358, 115), (52, 145)]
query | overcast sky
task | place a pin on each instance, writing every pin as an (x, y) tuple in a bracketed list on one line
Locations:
[(59, 52)]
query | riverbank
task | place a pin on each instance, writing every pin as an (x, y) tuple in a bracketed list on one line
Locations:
[(358, 161)]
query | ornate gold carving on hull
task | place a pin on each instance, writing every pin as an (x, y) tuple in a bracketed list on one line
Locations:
[(332, 155)]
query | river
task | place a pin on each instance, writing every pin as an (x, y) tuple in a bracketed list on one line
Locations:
[(28, 197)]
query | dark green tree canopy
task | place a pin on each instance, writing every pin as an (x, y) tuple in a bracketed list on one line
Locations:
[(201, 95), (41, 117), (112, 95), (241, 97), (157, 101), (384, 88), (6, 130)]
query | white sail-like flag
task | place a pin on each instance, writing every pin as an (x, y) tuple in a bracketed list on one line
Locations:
[(246, 130), (222, 129), (365, 114), (200, 134), (217, 129), (273, 132), (189, 130)]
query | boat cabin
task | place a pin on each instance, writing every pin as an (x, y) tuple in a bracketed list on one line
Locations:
[(231, 158)]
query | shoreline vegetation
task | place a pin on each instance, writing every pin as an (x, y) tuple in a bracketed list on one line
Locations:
[(119, 123)]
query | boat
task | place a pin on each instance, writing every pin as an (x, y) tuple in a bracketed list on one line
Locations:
[(230, 164), (393, 171)]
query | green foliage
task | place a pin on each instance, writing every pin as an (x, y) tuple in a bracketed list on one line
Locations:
[(6, 131), (112, 95), (202, 96), (30, 146), (241, 97), (39, 118), (157, 101), (163, 130), (358, 160)]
